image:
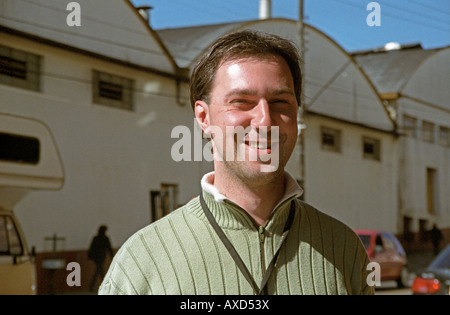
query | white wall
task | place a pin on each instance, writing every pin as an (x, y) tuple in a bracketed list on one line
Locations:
[(112, 158), (425, 97), (358, 191), (418, 155)]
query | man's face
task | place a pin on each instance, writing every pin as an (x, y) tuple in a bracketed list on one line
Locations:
[(255, 94)]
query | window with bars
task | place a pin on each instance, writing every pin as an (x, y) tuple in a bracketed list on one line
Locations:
[(371, 148), (10, 243), (331, 139), (112, 90), (20, 68), (444, 136), (427, 131), (410, 126)]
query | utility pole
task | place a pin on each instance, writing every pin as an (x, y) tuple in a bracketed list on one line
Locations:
[(302, 109)]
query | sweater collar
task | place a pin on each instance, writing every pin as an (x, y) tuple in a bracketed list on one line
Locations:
[(228, 214), (293, 189)]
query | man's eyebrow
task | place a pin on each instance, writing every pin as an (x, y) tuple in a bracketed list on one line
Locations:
[(240, 92), (284, 91), (249, 92)]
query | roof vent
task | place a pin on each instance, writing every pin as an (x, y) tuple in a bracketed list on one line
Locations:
[(392, 46), (144, 11)]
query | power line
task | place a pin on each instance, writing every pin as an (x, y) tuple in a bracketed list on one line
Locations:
[(85, 16), (440, 10), (396, 16), (421, 14), (91, 83), (91, 38)]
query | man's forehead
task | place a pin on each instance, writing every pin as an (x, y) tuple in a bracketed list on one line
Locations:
[(233, 68), (226, 61)]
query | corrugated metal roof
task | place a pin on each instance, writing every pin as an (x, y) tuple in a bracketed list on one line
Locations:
[(186, 44), (112, 29), (390, 70)]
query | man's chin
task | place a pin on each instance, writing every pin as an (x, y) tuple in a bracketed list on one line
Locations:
[(255, 172)]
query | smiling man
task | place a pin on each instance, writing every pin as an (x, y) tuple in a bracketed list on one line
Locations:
[(256, 92), (247, 232)]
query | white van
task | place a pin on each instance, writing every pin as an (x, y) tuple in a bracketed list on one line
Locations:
[(29, 160)]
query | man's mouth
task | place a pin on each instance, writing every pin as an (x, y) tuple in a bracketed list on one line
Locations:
[(259, 145), (261, 148)]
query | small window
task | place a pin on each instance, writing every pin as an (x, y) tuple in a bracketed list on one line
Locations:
[(331, 139), (10, 243), (427, 131), (19, 149), (15, 246), (410, 126), (444, 136), (371, 148), (113, 91), (20, 69), (388, 242)]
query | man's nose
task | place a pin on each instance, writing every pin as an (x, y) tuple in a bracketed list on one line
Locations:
[(262, 115)]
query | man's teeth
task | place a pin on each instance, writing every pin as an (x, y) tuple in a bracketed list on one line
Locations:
[(259, 145)]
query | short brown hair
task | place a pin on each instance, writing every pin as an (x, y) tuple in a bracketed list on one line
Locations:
[(242, 44)]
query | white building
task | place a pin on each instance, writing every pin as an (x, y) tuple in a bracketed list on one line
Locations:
[(110, 94), (414, 82)]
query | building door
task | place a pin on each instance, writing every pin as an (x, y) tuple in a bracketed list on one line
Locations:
[(163, 201)]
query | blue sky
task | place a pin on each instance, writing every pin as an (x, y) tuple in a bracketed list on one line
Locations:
[(404, 21)]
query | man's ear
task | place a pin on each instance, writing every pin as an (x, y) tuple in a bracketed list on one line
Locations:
[(201, 111)]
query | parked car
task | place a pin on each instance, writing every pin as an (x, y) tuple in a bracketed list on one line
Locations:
[(385, 249), (435, 279), (17, 264), (29, 161)]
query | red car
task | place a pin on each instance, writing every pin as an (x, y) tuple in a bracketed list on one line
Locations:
[(385, 249), (435, 279)]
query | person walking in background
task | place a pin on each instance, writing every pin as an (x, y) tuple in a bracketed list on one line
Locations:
[(436, 237), (99, 248)]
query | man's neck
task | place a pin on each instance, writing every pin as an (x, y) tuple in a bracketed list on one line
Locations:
[(258, 200)]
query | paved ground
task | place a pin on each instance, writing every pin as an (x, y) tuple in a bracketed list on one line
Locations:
[(392, 290), (419, 260)]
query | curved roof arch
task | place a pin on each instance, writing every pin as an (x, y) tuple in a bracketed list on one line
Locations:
[(411, 71), (429, 81), (391, 70), (335, 83), (417, 67)]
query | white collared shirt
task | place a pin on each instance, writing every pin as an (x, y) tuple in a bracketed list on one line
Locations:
[(292, 188)]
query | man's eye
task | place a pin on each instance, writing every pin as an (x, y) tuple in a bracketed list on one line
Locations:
[(241, 102), (280, 101)]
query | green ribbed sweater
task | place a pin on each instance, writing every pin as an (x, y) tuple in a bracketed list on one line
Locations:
[(181, 254)]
